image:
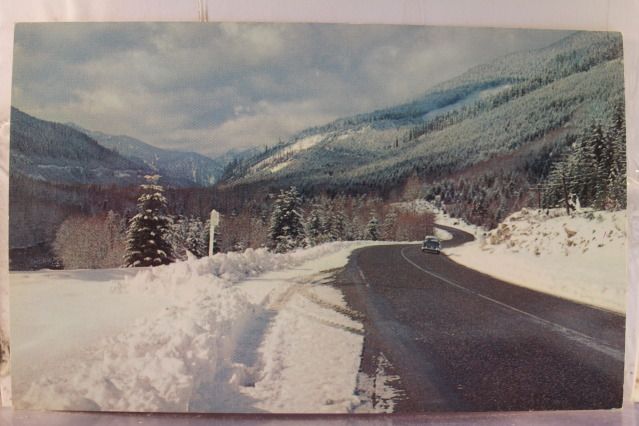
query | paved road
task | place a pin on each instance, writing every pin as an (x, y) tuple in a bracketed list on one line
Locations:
[(463, 341)]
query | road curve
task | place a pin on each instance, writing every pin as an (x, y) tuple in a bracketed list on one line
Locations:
[(460, 340)]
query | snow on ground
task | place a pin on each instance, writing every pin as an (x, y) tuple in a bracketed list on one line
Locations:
[(378, 393), (56, 314), (443, 235), (276, 163), (581, 257), (279, 166), (306, 143), (245, 332), (310, 356)]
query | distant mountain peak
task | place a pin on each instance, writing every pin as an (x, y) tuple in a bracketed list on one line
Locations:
[(180, 167)]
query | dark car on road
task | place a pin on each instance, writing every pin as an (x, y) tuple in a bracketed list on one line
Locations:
[(431, 244)]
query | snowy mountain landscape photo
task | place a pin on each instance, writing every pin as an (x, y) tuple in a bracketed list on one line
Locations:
[(316, 218)]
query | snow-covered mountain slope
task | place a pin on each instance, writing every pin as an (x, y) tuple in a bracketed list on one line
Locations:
[(523, 99), (580, 257), (183, 168), (54, 152)]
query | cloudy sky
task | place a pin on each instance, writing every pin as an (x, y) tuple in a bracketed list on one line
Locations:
[(211, 87)]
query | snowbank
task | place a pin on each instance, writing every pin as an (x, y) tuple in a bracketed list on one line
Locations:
[(443, 235), (219, 334), (581, 257)]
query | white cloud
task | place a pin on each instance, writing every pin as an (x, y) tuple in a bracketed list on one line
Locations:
[(266, 125), (212, 87)]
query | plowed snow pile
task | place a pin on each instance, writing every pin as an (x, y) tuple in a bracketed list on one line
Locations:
[(255, 331), (581, 256)]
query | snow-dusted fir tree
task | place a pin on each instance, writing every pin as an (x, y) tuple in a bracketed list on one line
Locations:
[(314, 226), (197, 240), (617, 175), (372, 228), (594, 169), (353, 229), (188, 234), (340, 226), (601, 160), (147, 244), (388, 226), (287, 229)]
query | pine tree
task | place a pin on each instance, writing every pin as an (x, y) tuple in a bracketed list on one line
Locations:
[(353, 230), (146, 236), (287, 229), (372, 228), (339, 225), (388, 225), (601, 159), (197, 237), (594, 170), (188, 234), (617, 178), (314, 226), (328, 220)]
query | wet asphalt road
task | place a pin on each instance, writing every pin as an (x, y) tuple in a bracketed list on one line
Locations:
[(460, 340)]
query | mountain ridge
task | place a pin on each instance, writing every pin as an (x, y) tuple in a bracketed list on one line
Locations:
[(406, 132), (49, 151), (183, 167)]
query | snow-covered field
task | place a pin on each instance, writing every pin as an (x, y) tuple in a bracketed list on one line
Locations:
[(246, 332), (581, 257)]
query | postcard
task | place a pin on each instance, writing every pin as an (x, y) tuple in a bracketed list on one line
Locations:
[(316, 218)]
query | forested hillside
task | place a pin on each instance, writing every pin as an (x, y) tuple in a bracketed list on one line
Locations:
[(54, 152), (177, 167), (484, 143)]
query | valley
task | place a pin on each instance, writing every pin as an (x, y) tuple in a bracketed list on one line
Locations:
[(484, 144)]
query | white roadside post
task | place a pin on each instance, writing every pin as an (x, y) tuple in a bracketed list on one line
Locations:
[(215, 220)]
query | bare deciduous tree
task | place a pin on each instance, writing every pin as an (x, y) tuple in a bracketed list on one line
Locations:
[(91, 242)]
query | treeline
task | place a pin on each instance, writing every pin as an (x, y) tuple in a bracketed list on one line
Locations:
[(287, 221), (482, 200), (593, 170), (100, 241), (296, 222), (37, 209), (588, 170), (485, 194)]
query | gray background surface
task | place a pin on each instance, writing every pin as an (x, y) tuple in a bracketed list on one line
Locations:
[(607, 15)]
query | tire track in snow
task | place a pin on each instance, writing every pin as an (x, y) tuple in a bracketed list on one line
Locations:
[(305, 290)]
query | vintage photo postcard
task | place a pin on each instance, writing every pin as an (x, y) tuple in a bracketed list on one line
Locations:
[(316, 218)]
